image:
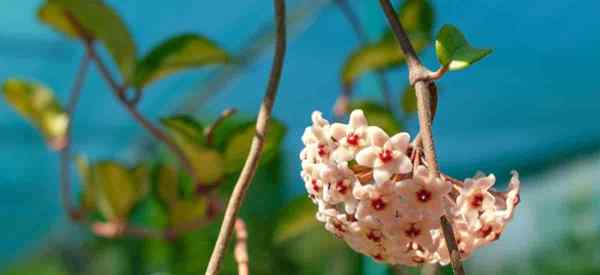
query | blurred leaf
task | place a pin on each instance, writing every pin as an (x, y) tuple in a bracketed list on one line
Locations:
[(295, 219), (184, 129), (453, 50), (99, 21), (210, 165), (416, 16), (186, 212), (381, 55), (409, 100), (238, 145), (378, 115), (38, 105), (88, 196), (118, 190), (189, 136), (178, 53), (43, 266), (167, 180)]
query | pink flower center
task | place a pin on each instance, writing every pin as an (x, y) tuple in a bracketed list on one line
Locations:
[(338, 226), (517, 200), (378, 204), (418, 260), (477, 201), (386, 156), (423, 195), (412, 232), (351, 218), (352, 139), (373, 236), (314, 185), (322, 150), (485, 231), (378, 257), (341, 187)]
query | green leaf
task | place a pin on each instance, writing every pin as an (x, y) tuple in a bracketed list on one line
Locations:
[(178, 53), (295, 219), (378, 115), (238, 145), (454, 51), (409, 100), (88, 196), (184, 129), (118, 189), (167, 184), (209, 165), (381, 55), (99, 22), (416, 16), (189, 136), (186, 212), (38, 105)]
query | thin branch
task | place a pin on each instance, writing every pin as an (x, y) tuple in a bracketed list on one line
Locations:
[(361, 34), (264, 115), (241, 247), (424, 87), (209, 132), (65, 155), (156, 132)]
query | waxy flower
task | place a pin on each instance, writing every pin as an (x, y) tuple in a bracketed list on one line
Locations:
[(369, 194), (386, 155)]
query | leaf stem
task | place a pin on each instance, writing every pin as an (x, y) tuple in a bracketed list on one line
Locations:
[(264, 115), (361, 34), (65, 155), (209, 132), (424, 87), (157, 133)]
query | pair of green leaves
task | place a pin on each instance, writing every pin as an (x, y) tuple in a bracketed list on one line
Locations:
[(417, 17), (227, 154), (112, 188), (452, 48), (94, 20), (37, 104)]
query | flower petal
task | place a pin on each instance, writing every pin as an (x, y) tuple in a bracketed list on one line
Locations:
[(357, 119), (338, 131), (381, 175), (367, 156), (400, 141), (377, 137), (342, 154)]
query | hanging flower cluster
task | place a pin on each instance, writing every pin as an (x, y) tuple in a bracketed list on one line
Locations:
[(374, 192)]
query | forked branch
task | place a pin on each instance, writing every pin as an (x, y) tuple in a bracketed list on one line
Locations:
[(420, 78), (264, 115)]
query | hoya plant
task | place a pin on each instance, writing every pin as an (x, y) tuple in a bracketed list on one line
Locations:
[(372, 186)]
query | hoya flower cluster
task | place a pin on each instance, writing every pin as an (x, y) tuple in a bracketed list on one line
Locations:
[(374, 192)]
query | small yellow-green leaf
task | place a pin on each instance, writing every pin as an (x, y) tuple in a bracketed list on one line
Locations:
[(189, 136), (377, 115), (208, 163), (88, 196), (184, 128), (141, 179), (38, 105), (178, 53), (381, 55), (409, 100), (167, 180), (416, 16), (238, 145), (116, 190), (454, 51), (295, 219), (186, 212), (97, 20)]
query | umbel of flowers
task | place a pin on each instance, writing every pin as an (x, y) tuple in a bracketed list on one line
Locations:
[(374, 192)]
